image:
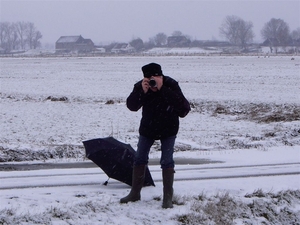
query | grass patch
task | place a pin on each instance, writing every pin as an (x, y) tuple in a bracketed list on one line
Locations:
[(223, 209)]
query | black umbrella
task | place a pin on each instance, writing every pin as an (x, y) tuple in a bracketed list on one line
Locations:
[(115, 158)]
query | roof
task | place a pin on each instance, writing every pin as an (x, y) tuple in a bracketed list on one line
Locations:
[(68, 39), (87, 41), (120, 46)]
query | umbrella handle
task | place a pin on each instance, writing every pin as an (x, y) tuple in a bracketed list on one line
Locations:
[(106, 182)]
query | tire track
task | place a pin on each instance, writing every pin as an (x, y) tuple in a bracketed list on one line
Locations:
[(155, 170), (184, 174)]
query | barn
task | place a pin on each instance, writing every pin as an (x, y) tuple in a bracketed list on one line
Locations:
[(67, 44)]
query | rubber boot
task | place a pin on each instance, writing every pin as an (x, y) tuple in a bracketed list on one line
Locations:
[(168, 178), (138, 177)]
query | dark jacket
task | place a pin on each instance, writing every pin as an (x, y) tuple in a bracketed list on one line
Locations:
[(161, 109)]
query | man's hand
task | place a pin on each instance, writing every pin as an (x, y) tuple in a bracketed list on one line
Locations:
[(145, 84)]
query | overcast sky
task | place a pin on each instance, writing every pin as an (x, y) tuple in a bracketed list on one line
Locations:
[(105, 21)]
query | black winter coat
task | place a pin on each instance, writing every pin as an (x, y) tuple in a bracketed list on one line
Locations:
[(160, 110)]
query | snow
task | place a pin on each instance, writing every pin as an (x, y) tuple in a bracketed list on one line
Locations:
[(244, 129), (193, 50)]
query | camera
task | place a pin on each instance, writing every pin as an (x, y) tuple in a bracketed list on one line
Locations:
[(152, 83)]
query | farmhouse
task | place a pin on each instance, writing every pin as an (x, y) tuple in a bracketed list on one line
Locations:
[(66, 44), (122, 48)]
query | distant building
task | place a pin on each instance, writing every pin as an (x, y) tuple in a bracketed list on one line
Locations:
[(99, 50), (276, 42), (122, 48), (66, 44), (271, 42)]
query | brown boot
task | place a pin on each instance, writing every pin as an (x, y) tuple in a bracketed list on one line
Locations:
[(168, 178), (138, 177)]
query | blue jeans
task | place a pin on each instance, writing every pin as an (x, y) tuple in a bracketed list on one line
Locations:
[(167, 149)]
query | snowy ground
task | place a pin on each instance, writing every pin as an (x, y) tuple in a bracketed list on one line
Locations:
[(245, 113)]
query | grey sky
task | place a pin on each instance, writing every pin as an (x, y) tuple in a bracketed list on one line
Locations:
[(107, 20)]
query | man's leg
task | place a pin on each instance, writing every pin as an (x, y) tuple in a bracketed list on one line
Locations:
[(139, 168), (167, 165), (167, 150), (143, 149)]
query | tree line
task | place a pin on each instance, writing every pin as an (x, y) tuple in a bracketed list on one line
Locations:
[(237, 32), (276, 32), (19, 36)]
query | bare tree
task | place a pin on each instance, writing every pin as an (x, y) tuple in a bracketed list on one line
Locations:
[(137, 43), (21, 28), (177, 33), (2, 34), (8, 36), (276, 32), (295, 35), (237, 31), (33, 36), (15, 36), (149, 44), (36, 39), (160, 39), (30, 34)]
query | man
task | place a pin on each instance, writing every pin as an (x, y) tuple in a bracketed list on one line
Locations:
[(162, 104)]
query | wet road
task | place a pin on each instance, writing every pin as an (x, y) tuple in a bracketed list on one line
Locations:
[(90, 164)]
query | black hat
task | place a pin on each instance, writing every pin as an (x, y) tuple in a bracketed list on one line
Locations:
[(152, 69)]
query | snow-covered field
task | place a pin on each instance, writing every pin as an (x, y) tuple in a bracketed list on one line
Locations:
[(245, 111)]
